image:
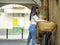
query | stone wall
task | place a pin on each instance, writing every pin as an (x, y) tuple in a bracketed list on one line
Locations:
[(55, 17)]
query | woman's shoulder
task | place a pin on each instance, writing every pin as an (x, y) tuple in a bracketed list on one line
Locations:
[(35, 17)]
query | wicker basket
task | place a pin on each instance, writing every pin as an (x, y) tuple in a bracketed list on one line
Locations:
[(46, 26)]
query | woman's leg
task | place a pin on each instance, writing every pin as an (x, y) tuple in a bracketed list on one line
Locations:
[(33, 38), (32, 30), (29, 37), (33, 34)]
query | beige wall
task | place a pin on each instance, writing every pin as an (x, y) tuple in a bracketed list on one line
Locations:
[(54, 12)]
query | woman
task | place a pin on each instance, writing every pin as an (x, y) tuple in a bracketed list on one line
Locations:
[(32, 28), (34, 17)]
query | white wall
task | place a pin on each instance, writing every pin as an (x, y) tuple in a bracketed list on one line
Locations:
[(5, 21)]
